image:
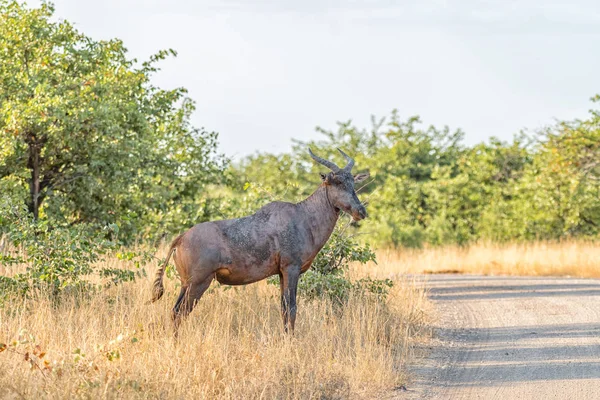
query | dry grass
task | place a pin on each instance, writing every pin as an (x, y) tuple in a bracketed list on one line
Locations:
[(568, 258), (231, 347)]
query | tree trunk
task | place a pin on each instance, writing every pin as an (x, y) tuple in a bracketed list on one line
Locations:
[(34, 184)]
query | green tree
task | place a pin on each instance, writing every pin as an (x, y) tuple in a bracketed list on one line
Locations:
[(559, 193), (428, 187), (85, 136)]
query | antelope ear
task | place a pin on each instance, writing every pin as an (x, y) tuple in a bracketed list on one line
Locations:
[(361, 177), (323, 176)]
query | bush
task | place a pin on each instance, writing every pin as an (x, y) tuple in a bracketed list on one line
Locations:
[(57, 257), (328, 275)]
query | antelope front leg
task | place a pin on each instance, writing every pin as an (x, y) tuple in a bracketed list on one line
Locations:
[(284, 304), (289, 287)]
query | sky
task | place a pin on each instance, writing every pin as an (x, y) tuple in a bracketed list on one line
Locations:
[(264, 71)]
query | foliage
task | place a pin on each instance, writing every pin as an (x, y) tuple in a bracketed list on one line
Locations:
[(57, 257), (31, 352), (85, 137), (328, 276), (427, 187)]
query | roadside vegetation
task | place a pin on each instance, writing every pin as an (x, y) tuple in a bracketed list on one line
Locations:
[(111, 344), (99, 169), (576, 258)]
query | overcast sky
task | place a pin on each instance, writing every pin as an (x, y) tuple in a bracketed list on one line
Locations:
[(265, 71)]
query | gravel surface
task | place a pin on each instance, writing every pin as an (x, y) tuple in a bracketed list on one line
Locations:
[(511, 338)]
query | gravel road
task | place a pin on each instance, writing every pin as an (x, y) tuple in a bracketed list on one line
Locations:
[(512, 338)]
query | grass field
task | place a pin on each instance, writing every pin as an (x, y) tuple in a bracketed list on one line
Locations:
[(114, 345), (567, 258)]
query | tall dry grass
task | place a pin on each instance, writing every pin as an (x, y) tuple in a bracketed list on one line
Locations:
[(112, 345), (567, 258)]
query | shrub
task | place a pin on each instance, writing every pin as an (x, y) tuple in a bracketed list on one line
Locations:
[(328, 275), (57, 257)]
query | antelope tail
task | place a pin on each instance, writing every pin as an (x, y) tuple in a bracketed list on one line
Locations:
[(158, 289)]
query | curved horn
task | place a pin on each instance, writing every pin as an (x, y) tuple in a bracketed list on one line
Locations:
[(350, 161), (324, 162)]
